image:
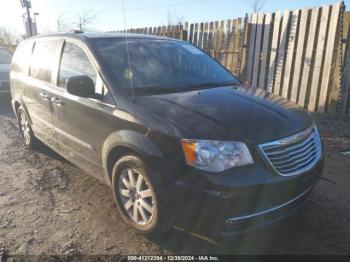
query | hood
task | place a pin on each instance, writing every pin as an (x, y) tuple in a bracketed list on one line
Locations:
[(227, 113)]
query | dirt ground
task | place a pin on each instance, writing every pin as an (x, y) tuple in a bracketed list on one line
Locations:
[(48, 206)]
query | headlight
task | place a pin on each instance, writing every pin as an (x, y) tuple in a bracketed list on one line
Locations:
[(215, 156)]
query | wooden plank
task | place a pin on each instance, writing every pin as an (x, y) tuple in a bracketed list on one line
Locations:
[(308, 56), (242, 66), (205, 36), (215, 39), (320, 50), (220, 45), (191, 34), (290, 53), (168, 31), (173, 31), (281, 53), (184, 32), (225, 46), (251, 47), (195, 34), (346, 77), (200, 35), (238, 46), (328, 61), (163, 31), (299, 55), (265, 51), (273, 51), (230, 44), (210, 37), (334, 96), (257, 46), (179, 29)]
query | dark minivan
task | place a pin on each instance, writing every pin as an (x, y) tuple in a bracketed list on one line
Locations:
[(172, 132)]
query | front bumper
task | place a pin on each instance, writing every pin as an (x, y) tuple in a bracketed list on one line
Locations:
[(235, 203), (244, 223)]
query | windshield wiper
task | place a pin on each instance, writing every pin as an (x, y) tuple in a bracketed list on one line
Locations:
[(210, 85), (164, 89)]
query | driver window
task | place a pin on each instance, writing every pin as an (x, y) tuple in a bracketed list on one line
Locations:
[(74, 62)]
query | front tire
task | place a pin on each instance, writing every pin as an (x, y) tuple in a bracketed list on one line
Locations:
[(139, 196), (26, 129)]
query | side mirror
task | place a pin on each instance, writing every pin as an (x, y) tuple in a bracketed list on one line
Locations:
[(81, 86)]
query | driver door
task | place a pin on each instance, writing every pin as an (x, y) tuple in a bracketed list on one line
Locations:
[(77, 119)]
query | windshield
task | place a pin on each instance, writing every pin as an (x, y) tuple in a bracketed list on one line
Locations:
[(5, 57), (161, 65)]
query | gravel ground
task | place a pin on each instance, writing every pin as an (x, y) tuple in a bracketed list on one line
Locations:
[(48, 206)]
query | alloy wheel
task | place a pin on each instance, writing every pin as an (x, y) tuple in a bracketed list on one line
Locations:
[(25, 127), (136, 196)]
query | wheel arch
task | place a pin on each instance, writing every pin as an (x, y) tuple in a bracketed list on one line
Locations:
[(16, 104), (125, 142)]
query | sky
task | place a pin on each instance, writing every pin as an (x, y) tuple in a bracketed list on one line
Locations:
[(138, 13)]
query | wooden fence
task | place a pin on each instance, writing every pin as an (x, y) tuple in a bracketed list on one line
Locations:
[(299, 56), (302, 55), (223, 40)]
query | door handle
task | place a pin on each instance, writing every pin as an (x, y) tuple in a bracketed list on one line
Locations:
[(44, 96), (57, 101)]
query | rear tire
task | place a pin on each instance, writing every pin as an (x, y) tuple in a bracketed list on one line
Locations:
[(25, 128), (140, 199)]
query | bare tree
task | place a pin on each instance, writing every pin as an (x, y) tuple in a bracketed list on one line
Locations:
[(61, 23), (84, 20), (173, 18), (256, 5), (8, 37)]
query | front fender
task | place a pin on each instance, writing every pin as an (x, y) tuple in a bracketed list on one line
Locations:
[(135, 141)]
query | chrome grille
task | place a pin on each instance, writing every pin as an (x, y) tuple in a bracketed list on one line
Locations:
[(295, 154), (4, 76)]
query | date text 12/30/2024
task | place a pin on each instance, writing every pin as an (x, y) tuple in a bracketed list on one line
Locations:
[(173, 258)]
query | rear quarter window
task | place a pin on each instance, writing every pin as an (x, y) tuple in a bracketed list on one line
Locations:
[(21, 57), (43, 60)]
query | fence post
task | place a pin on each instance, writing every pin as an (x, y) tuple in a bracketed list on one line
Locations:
[(241, 68), (184, 32), (346, 78)]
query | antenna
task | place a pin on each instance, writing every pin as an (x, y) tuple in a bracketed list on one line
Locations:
[(127, 51)]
